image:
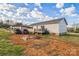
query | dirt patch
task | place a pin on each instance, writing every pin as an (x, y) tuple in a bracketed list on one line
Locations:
[(42, 47)]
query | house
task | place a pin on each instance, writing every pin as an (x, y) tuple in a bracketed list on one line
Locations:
[(56, 26)]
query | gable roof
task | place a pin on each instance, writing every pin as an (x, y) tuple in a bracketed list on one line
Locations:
[(54, 21)]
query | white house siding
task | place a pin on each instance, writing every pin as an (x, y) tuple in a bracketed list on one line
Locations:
[(58, 28), (62, 27), (52, 28)]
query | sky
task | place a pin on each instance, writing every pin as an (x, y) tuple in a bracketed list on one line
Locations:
[(29, 13)]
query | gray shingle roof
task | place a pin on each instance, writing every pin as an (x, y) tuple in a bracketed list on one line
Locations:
[(54, 21)]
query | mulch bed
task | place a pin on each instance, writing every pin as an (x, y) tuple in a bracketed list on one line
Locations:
[(41, 47)]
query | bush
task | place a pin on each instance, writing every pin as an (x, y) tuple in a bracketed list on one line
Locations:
[(4, 25), (77, 30), (46, 32), (70, 29)]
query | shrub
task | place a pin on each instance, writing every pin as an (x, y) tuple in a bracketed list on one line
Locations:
[(77, 30), (4, 25)]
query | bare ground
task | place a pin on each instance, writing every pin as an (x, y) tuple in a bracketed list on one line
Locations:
[(45, 47)]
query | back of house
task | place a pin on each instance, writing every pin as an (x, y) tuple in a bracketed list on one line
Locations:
[(56, 26)]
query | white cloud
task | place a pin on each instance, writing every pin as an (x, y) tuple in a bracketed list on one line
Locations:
[(46, 18), (60, 5), (22, 10), (6, 11), (36, 14), (62, 10), (74, 14), (38, 5), (35, 9), (9, 12), (70, 11), (26, 4), (28, 15), (5, 6)]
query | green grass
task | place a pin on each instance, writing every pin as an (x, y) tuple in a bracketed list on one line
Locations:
[(74, 39), (46, 36), (6, 47)]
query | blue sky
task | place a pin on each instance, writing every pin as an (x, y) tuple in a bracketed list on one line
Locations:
[(37, 12)]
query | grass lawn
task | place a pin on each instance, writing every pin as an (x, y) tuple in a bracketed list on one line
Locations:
[(7, 48), (74, 39)]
